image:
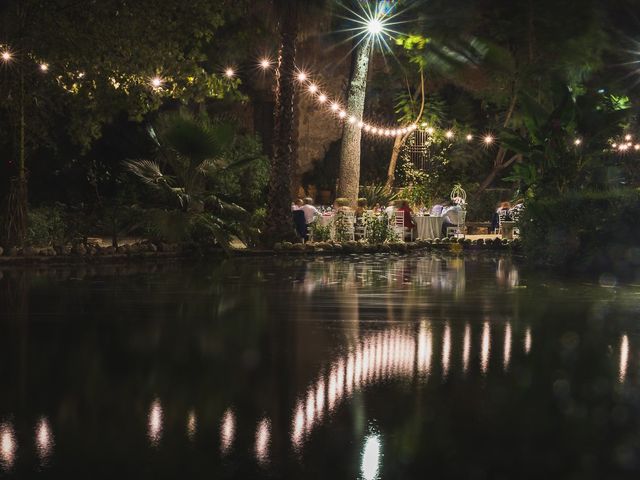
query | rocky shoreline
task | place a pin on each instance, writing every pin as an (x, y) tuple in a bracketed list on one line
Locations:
[(80, 253)]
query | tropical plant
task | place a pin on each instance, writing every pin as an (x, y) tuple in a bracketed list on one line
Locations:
[(377, 195), (319, 232), (190, 150), (552, 162), (379, 230)]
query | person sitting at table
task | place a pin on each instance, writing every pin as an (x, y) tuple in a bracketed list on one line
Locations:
[(408, 219), (436, 209), (452, 217), (501, 214), (296, 205), (361, 207), (390, 211), (310, 211)]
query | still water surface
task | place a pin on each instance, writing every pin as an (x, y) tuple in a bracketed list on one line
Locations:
[(367, 367)]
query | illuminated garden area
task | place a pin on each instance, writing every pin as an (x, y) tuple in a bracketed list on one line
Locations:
[(297, 239)]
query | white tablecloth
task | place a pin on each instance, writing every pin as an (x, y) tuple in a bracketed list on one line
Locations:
[(429, 227)]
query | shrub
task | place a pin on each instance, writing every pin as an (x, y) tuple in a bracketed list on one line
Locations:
[(378, 230), (46, 226), (377, 194), (319, 232), (584, 231)]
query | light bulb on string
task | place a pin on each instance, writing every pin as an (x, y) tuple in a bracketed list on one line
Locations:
[(449, 134), (627, 137), (302, 76), (335, 107), (488, 140), (636, 147), (156, 82), (342, 114), (44, 67), (431, 130), (6, 56), (313, 88), (229, 72), (469, 137), (577, 142), (265, 63), (322, 98)]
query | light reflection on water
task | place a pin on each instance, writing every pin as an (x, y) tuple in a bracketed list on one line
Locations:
[(155, 423), (395, 325), (44, 440), (371, 457), (227, 431), (8, 445)]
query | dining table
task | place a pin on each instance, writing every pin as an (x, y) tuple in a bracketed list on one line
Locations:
[(428, 226)]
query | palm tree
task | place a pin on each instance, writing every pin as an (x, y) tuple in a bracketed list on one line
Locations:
[(283, 160), (192, 149), (349, 177)]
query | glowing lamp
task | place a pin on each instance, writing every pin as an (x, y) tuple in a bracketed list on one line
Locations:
[(335, 107), (322, 98), (313, 88), (156, 82), (488, 139), (375, 26), (265, 63), (44, 67), (229, 72), (6, 56), (342, 114), (469, 137), (302, 76), (449, 134), (577, 142)]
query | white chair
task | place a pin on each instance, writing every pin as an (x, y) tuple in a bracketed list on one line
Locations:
[(459, 229), (400, 228), (345, 222), (361, 227), (503, 216)]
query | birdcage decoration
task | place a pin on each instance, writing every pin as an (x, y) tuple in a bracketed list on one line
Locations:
[(458, 196), (416, 149)]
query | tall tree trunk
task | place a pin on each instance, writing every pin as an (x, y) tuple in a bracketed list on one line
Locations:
[(279, 220), (16, 205), (349, 177)]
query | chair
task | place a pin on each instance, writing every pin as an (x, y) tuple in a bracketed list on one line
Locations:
[(400, 228), (459, 229), (361, 227), (503, 216), (344, 226)]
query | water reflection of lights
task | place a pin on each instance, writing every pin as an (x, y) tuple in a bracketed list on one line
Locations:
[(44, 439), (425, 349), (527, 341), (466, 348), (446, 350), (485, 348), (192, 425), (227, 431), (8, 445), (624, 358), (263, 438), (506, 350), (371, 456), (155, 423)]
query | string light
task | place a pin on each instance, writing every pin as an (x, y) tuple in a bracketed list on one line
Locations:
[(156, 82), (265, 63), (374, 26)]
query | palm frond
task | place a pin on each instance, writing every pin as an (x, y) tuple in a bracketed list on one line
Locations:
[(149, 172)]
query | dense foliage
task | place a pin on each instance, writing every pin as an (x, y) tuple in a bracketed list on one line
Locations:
[(588, 230)]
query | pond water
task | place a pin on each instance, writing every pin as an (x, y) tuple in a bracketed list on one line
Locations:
[(365, 367)]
